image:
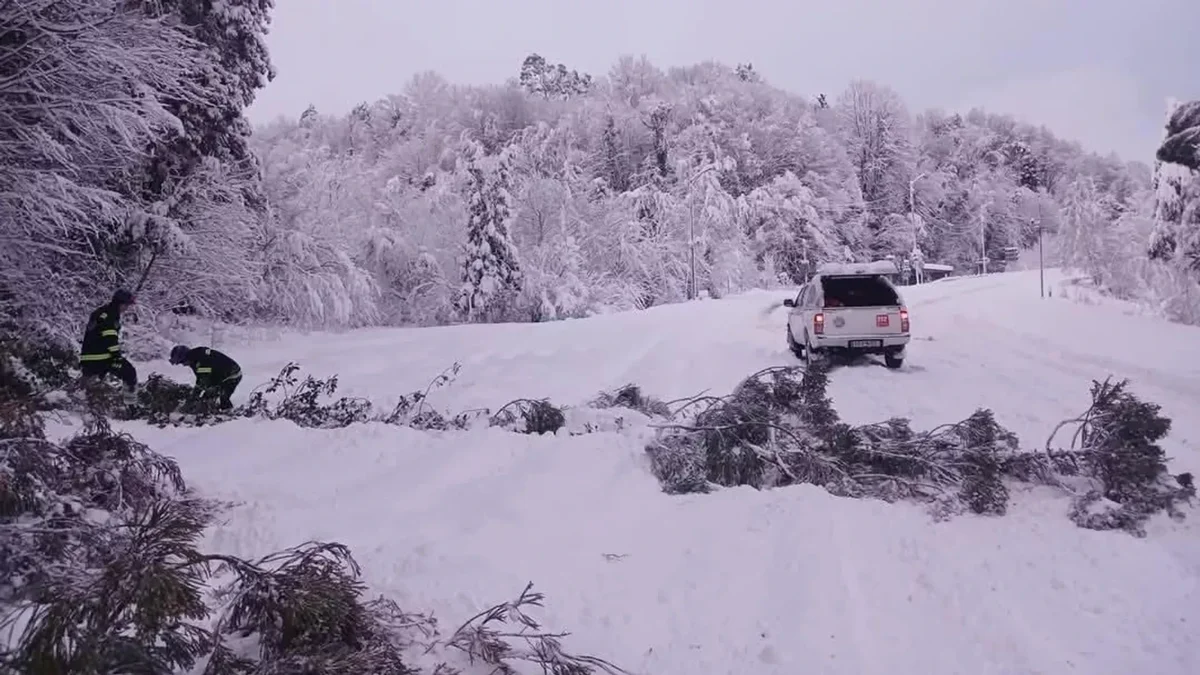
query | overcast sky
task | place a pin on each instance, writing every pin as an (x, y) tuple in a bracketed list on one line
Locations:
[(1095, 71)]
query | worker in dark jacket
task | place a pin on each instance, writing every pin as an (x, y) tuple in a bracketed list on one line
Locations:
[(100, 354), (216, 374)]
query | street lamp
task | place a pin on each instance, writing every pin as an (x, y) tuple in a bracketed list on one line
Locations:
[(692, 233)]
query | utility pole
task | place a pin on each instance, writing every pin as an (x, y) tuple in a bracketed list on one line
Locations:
[(912, 221), (691, 246), (983, 260), (912, 206), (1041, 261)]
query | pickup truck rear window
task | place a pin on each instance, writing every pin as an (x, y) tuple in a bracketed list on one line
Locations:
[(858, 291)]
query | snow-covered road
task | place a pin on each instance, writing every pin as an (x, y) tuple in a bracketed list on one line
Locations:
[(784, 581)]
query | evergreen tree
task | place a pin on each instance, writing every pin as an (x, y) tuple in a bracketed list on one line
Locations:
[(200, 174), (491, 271), (1176, 186), (552, 80)]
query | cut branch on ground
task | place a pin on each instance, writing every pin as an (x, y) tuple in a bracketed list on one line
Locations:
[(779, 428)]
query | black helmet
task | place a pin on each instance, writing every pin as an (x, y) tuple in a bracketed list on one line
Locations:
[(123, 297), (179, 354)]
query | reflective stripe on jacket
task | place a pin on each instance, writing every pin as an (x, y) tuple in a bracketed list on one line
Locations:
[(102, 337)]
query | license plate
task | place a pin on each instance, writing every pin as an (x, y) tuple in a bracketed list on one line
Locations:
[(866, 343)]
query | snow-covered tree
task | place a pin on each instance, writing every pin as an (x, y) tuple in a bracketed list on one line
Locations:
[(1087, 231), (611, 192), (491, 268), (1177, 187), (789, 231), (875, 124), (84, 91), (1182, 142), (547, 80)]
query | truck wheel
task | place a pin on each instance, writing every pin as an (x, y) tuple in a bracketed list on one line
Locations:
[(811, 355), (893, 361), (796, 348)]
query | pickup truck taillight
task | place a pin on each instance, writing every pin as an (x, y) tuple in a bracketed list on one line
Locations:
[(904, 321), (819, 323)]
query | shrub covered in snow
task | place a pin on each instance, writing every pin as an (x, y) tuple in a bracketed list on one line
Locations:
[(779, 427), (33, 359)]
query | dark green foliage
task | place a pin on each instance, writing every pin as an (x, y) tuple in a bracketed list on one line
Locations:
[(1182, 144), (125, 612), (1120, 434), (162, 401), (1116, 441), (891, 461), (301, 402), (983, 489), (631, 396), (113, 472), (33, 359), (31, 363), (305, 607), (679, 467), (755, 436), (779, 427), (529, 416), (815, 408), (539, 77), (413, 411), (759, 435), (36, 373), (19, 418), (97, 556), (485, 638)]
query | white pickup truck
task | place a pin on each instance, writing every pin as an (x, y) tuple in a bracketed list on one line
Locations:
[(849, 309)]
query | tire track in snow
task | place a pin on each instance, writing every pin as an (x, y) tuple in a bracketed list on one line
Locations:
[(841, 640), (1178, 396), (1089, 366)]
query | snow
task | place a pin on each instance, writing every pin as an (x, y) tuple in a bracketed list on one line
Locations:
[(782, 581), (876, 267)]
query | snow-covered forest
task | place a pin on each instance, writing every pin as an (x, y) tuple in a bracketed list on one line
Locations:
[(128, 160)]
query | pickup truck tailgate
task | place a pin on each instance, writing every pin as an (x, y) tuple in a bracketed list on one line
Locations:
[(866, 321)]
